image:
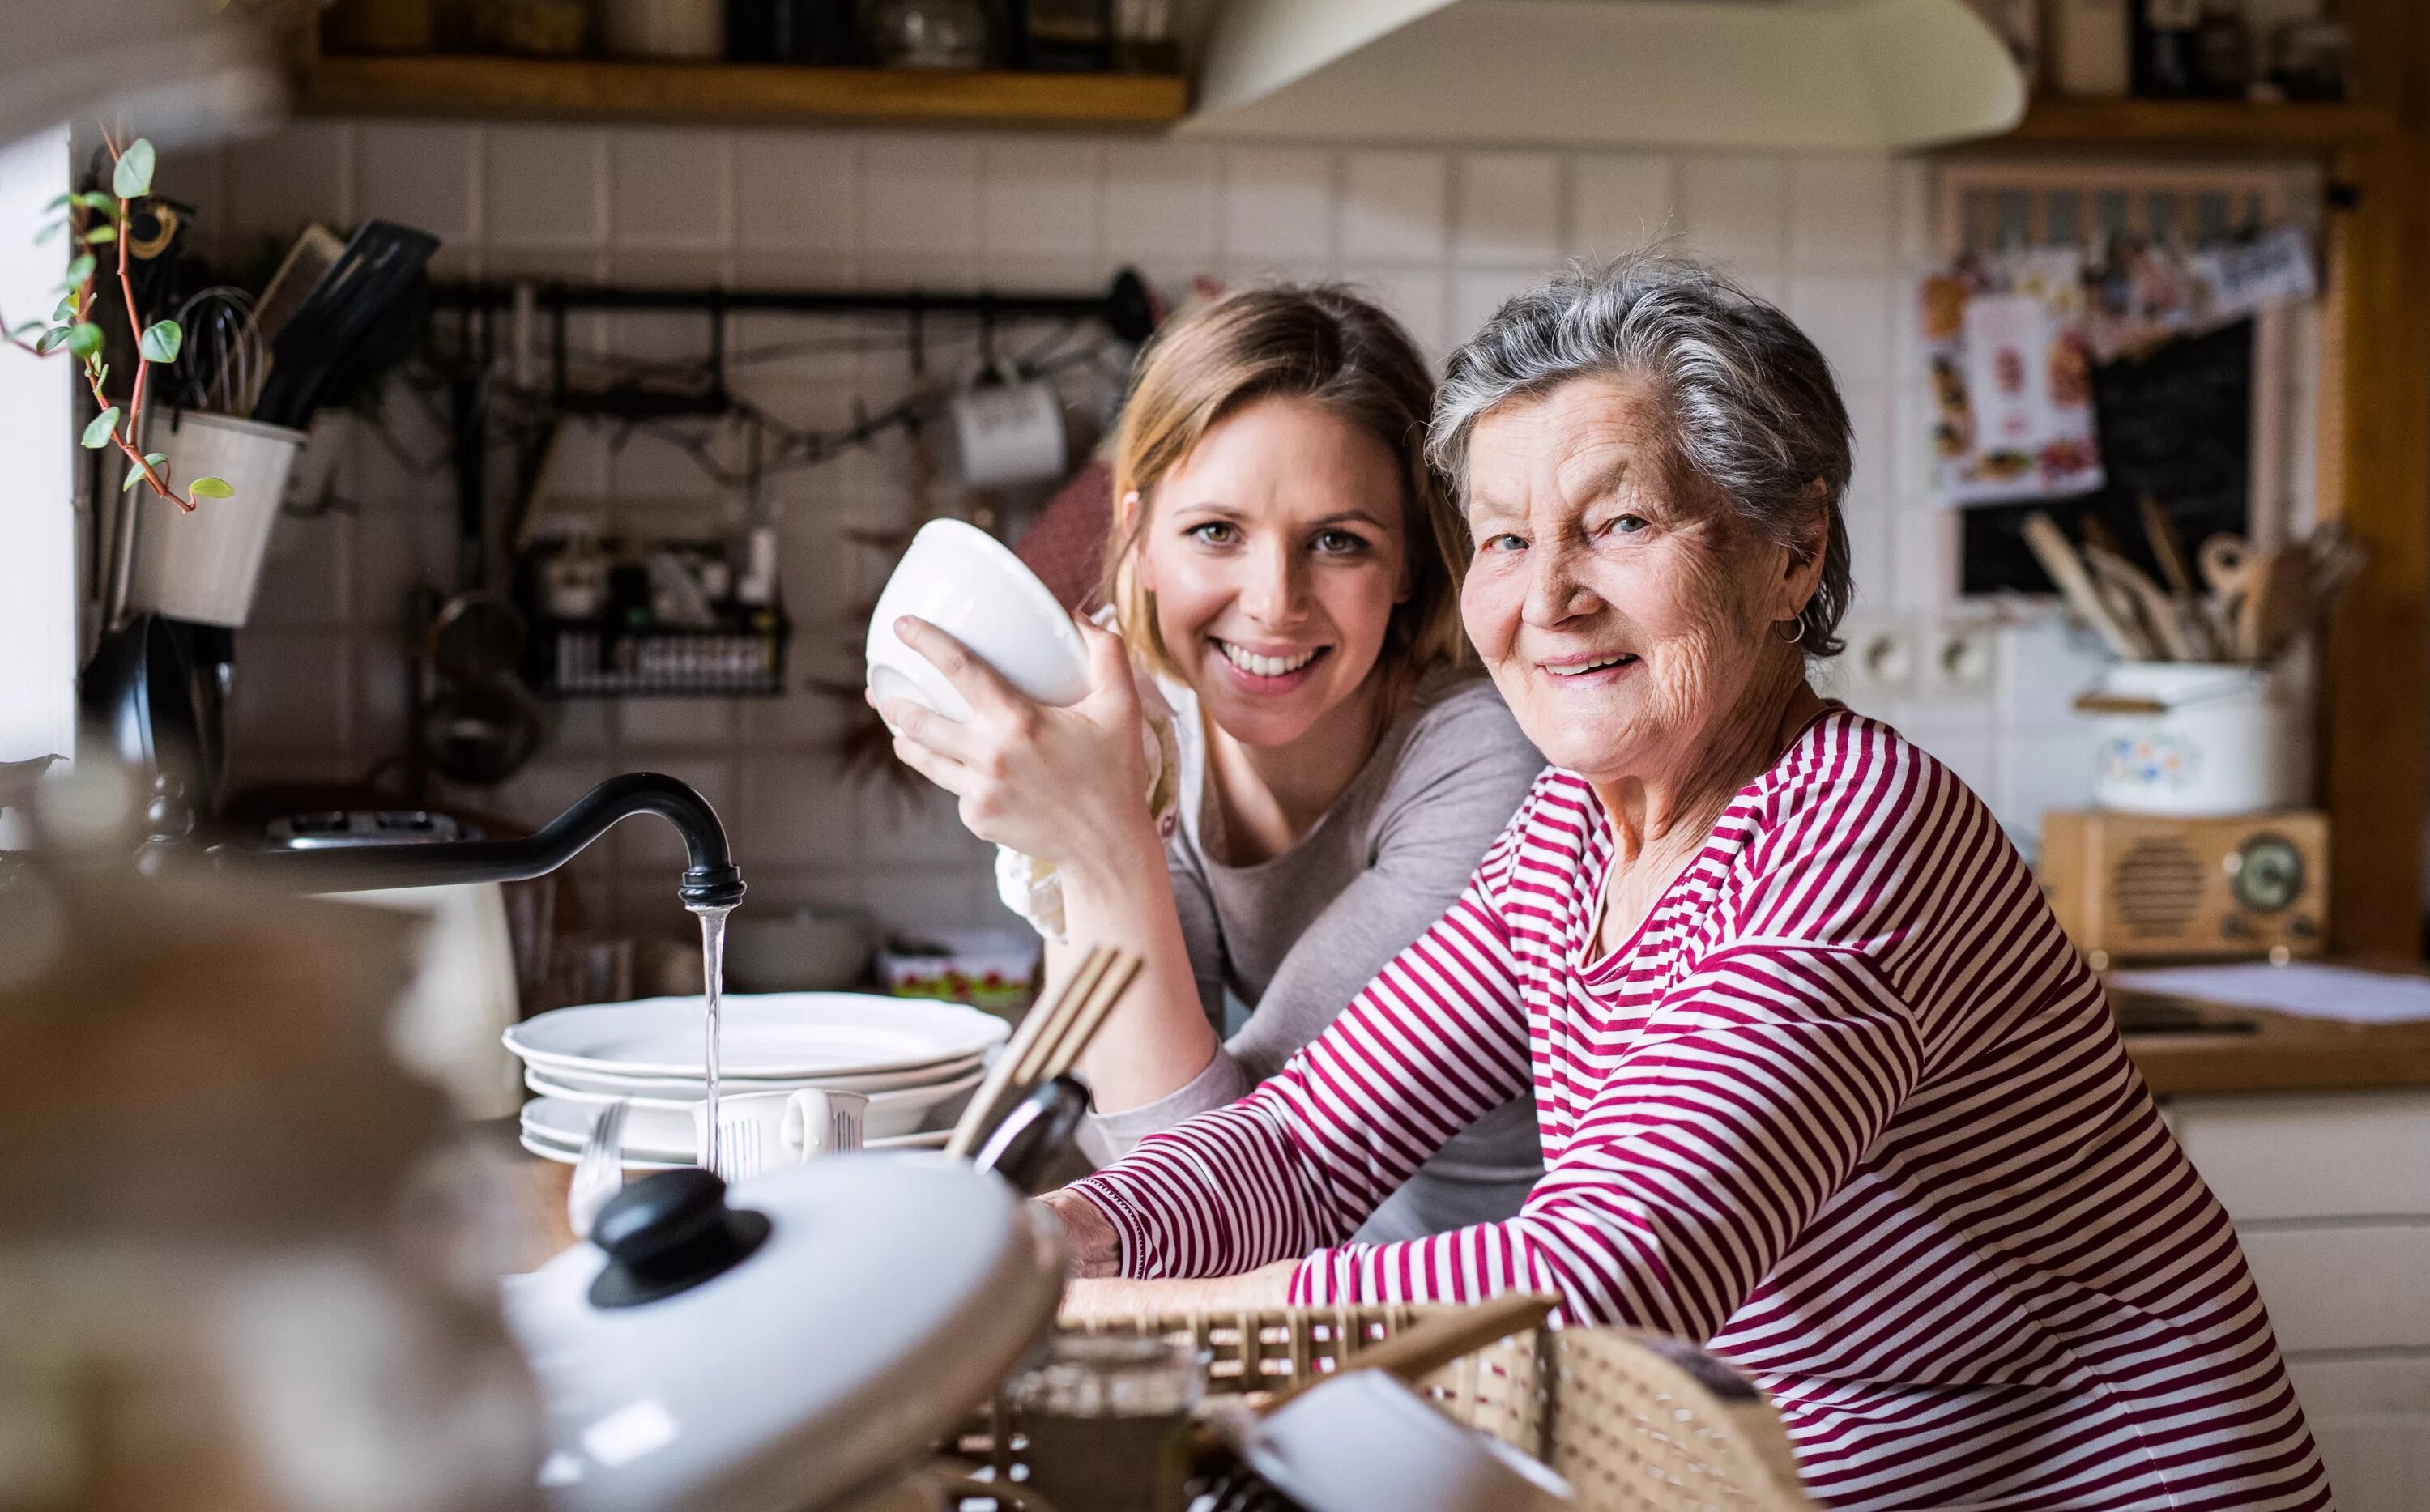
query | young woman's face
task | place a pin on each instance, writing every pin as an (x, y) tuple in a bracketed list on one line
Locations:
[(1277, 551)]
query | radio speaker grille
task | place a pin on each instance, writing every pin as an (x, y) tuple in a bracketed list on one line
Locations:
[(2160, 887)]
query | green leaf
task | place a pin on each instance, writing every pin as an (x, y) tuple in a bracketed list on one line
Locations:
[(134, 475), (66, 312), (84, 339), (210, 488), (16, 331), (155, 459), (49, 231), (50, 341), (101, 233), (132, 179), (92, 199), (104, 425), (161, 341), (81, 268), (62, 203)]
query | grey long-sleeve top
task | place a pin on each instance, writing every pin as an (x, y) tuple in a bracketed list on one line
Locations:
[(1296, 937)]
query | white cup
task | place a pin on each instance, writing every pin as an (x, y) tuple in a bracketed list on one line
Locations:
[(970, 585), (762, 1131), (1007, 430)]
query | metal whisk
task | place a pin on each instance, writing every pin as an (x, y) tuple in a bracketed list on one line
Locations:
[(224, 365)]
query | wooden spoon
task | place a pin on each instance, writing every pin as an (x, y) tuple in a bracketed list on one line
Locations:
[(2277, 600), (2067, 570)]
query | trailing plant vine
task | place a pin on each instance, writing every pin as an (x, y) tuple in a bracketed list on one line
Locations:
[(93, 221)]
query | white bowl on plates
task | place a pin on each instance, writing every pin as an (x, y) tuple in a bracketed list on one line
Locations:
[(970, 585), (765, 1037), (661, 1123), (548, 1146)]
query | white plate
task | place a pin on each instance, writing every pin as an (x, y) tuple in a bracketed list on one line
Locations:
[(598, 1086), (766, 1036), (662, 1129), (566, 1155)]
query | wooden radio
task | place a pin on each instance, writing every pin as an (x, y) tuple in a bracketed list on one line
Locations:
[(2133, 887)]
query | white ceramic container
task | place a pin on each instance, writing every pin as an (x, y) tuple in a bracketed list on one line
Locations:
[(203, 564), (2223, 740), (967, 582)]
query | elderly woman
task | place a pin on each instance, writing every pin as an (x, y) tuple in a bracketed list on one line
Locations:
[(1820, 1082)]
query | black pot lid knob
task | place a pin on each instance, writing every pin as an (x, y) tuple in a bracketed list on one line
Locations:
[(668, 1233)]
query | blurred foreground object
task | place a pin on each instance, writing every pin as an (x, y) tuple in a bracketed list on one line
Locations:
[(239, 1272), (184, 73)]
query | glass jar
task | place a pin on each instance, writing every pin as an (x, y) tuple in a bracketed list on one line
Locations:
[(928, 34), (1109, 1421)]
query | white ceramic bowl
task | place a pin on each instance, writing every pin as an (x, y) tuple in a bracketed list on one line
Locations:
[(970, 585)]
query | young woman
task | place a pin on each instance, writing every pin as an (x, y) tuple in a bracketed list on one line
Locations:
[(1286, 565)]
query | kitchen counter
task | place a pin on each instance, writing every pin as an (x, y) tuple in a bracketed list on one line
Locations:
[(2188, 1047)]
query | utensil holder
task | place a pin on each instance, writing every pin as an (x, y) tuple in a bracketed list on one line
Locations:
[(203, 565), (2196, 739)]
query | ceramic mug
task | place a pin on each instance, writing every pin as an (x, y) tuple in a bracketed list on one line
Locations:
[(970, 585), (761, 1130), (1007, 429)]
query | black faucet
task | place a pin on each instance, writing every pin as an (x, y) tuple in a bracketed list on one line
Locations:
[(710, 883)]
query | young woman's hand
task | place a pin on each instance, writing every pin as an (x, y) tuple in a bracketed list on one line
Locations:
[(1066, 786)]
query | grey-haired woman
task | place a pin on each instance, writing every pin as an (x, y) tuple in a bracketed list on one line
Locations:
[(1820, 1082)]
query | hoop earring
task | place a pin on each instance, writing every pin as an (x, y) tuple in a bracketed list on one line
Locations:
[(1794, 635)]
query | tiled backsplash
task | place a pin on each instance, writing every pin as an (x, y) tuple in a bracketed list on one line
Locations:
[(1438, 236)]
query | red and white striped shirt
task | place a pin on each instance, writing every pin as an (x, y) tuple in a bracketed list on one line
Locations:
[(1848, 1108)]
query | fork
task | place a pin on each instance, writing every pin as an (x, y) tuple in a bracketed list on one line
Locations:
[(599, 1174)]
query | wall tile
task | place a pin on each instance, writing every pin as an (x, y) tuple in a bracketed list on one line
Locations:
[(1839, 216), (1923, 560), (1418, 297), (543, 186), (1509, 208), (1395, 206), (1277, 203), (2041, 772), (2044, 662), (1735, 211), (1476, 294), (418, 175), (299, 173), (797, 811), (291, 696), (919, 826), (670, 188), (303, 583), (1161, 200), (673, 723), (909, 899), (1621, 202), (920, 195), (797, 188), (1848, 316), (1038, 198)]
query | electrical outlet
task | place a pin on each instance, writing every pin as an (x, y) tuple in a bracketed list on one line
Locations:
[(1957, 661), (1879, 665)]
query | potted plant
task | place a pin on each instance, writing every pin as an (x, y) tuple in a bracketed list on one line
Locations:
[(190, 562)]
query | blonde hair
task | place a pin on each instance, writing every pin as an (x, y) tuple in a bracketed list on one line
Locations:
[(1318, 343)]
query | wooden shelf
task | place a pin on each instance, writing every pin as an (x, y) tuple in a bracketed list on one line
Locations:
[(2218, 124), (586, 89)]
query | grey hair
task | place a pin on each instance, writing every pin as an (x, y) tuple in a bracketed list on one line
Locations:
[(1752, 410)]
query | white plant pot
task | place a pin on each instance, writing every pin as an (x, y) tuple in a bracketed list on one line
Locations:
[(2227, 739), (203, 565)]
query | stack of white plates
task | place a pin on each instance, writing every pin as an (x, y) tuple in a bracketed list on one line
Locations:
[(916, 1061)]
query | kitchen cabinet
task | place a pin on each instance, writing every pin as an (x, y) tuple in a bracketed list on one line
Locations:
[(2330, 1194)]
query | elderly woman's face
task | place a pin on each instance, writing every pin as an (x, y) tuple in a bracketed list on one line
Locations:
[(1621, 617)]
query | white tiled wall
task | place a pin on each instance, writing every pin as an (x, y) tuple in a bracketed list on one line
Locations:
[(1439, 236)]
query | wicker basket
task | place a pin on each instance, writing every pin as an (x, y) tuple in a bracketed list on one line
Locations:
[(1636, 1422)]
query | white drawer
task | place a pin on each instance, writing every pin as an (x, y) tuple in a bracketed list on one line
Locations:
[(2353, 1286), (2329, 1154)]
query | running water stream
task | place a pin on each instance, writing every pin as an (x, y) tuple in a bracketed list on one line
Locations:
[(712, 960)]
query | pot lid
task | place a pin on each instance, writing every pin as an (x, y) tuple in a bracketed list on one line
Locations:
[(887, 1295)]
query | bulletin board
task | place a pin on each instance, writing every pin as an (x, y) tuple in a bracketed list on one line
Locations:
[(2216, 427)]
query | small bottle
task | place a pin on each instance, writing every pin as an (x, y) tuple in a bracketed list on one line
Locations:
[(2168, 35), (1063, 36), (2223, 50)]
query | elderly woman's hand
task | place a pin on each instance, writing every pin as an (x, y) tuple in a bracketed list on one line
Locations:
[(1096, 1245), (1066, 786)]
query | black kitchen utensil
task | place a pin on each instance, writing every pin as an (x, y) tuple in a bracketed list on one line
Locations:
[(352, 315), (1033, 1133)]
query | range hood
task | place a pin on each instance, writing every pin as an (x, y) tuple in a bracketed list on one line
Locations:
[(1812, 75)]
